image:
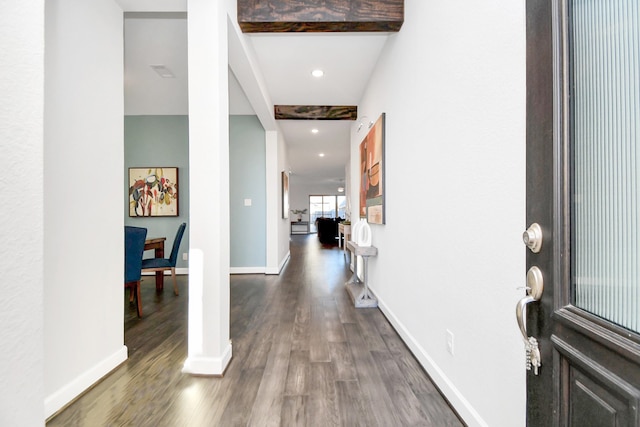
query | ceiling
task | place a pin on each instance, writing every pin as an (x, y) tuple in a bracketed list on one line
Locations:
[(285, 62)]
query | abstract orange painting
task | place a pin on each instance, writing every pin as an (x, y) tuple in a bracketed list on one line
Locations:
[(372, 173)]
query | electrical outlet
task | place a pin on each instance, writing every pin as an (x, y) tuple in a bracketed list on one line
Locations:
[(450, 342), (185, 256)]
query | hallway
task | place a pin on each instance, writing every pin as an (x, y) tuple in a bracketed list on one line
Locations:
[(302, 355)]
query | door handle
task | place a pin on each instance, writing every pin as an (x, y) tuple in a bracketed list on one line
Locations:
[(534, 288), (521, 315), (535, 285)]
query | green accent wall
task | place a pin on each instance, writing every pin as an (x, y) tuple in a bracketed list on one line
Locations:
[(247, 180), (159, 141), (163, 141)]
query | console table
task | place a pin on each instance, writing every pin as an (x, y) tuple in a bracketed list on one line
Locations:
[(358, 289), (299, 227), (344, 232)]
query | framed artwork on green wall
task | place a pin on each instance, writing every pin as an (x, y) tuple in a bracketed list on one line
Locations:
[(153, 191)]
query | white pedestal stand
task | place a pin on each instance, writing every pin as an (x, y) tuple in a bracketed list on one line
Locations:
[(357, 289)]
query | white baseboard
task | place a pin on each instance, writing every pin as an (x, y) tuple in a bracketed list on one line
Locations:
[(65, 395), (213, 366), (247, 270), (446, 386), (281, 266), (261, 270)]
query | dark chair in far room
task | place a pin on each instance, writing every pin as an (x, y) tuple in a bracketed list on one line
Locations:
[(162, 264), (134, 238), (328, 230)]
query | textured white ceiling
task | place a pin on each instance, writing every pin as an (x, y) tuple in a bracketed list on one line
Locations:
[(284, 61), (153, 41)]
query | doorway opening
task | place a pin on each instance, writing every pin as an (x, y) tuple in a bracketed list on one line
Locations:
[(325, 206)]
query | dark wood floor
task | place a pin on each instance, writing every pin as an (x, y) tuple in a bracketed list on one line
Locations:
[(302, 356)]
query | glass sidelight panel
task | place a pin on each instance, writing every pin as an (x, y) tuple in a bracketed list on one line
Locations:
[(604, 45), (326, 207)]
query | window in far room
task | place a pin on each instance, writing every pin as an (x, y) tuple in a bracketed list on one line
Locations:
[(326, 207)]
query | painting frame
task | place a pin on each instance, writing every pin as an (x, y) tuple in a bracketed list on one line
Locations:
[(153, 192), (372, 173), (285, 194)]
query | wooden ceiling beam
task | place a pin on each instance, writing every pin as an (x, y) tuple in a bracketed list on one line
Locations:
[(315, 112), (279, 16)]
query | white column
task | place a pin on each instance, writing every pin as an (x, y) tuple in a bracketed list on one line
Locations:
[(209, 345)]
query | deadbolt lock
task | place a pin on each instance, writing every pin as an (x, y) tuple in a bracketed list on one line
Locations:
[(533, 237)]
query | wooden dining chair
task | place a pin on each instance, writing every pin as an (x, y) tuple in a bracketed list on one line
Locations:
[(134, 238), (162, 264)]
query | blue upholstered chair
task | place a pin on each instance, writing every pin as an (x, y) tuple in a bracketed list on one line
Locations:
[(134, 238), (162, 264)]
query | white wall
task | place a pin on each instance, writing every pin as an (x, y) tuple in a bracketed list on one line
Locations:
[(452, 84), (277, 226), (83, 226), (21, 218), (245, 72), (283, 223)]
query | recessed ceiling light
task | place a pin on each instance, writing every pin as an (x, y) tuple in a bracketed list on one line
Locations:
[(340, 189), (321, 154), (163, 71), (317, 73), (314, 131)]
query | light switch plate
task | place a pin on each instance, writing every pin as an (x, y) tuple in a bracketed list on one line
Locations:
[(247, 202)]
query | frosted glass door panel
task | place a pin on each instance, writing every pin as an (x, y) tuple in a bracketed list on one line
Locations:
[(605, 111)]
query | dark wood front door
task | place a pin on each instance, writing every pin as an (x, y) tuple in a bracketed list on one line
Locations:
[(583, 189)]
